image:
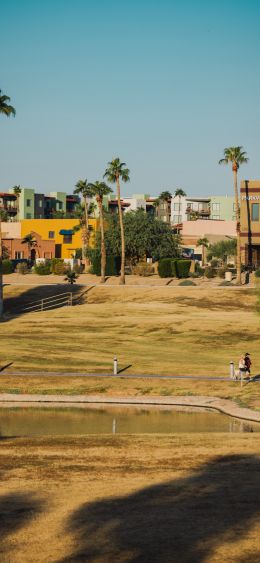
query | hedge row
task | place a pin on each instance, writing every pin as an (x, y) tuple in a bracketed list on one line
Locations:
[(113, 264), (173, 268)]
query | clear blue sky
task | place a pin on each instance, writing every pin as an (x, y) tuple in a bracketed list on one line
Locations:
[(165, 85)]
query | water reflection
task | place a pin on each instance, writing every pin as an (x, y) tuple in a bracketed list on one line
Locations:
[(32, 421)]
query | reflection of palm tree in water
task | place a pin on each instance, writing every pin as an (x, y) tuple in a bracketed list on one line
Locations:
[(183, 520)]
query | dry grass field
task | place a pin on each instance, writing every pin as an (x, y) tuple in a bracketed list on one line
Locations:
[(178, 498)]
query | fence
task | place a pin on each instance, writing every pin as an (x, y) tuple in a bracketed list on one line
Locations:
[(60, 300)]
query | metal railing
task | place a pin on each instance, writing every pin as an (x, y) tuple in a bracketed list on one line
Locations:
[(54, 302)]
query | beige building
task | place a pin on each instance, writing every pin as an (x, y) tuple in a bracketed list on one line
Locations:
[(250, 222)]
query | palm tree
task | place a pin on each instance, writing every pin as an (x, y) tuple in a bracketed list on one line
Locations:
[(71, 277), (236, 156), (166, 196), (100, 189), (179, 193), (17, 191), (204, 242), (5, 109), (113, 173), (31, 243), (84, 189)]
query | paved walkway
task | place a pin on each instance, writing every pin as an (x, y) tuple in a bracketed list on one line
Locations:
[(120, 374), (222, 405)]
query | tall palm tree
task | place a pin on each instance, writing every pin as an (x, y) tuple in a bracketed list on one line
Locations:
[(5, 109), (179, 193), (17, 191), (204, 242), (84, 189), (100, 189), (236, 156), (116, 170), (166, 197)]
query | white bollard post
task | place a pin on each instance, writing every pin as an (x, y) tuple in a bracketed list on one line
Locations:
[(232, 370), (115, 365)]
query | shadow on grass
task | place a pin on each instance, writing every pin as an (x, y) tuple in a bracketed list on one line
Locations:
[(6, 366), (16, 510), (14, 305), (180, 520)]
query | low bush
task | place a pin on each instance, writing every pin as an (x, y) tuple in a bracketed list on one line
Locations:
[(174, 267), (165, 267), (143, 269), (58, 267), (198, 269), (257, 273), (183, 268), (195, 275), (7, 267), (214, 263), (21, 268), (42, 268), (210, 273), (187, 282), (221, 272), (225, 283)]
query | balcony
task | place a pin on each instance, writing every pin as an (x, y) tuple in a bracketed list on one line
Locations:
[(8, 208)]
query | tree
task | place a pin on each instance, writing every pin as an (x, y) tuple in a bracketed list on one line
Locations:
[(145, 236), (204, 242), (17, 191), (166, 197), (236, 157), (113, 173), (84, 189), (222, 249), (31, 242), (5, 109), (99, 190), (179, 193)]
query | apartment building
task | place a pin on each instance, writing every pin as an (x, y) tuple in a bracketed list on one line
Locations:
[(189, 209), (32, 205), (223, 207), (250, 222), (8, 205)]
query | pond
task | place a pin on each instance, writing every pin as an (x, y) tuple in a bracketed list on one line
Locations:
[(96, 419)]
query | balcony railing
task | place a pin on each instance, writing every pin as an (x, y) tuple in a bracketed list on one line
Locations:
[(9, 208)]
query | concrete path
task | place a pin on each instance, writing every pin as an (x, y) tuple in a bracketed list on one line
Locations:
[(222, 405), (120, 374)]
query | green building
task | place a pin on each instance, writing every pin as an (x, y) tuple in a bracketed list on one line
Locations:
[(222, 207)]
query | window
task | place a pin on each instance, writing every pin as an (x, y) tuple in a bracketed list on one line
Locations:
[(28, 215), (59, 205), (67, 239), (18, 255), (176, 219), (177, 206), (40, 203), (255, 212), (215, 216), (28, 203), (215, 206), (51, 234)]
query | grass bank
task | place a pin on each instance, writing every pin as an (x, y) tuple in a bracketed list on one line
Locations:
[(193, 496)]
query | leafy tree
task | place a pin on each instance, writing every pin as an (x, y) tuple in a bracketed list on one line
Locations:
[(145, 236), (84, 189), (222, 249), (204, 242), (5, 109), (99, 190), (116, 170), (236, 157)]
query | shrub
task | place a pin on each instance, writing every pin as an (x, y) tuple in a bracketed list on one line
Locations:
[(187, 282), (174, 267), (112, 265), (143, 269), (58, 267), (7, 267), (183, 268), (165, 268), (198, 269), (225, 282), (43, 268), (257, 273), (214, 263), (221, 272), (210, 273), (195, 275), (21, 268)]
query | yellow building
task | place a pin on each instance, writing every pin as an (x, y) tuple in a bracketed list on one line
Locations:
[(60, 232)]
